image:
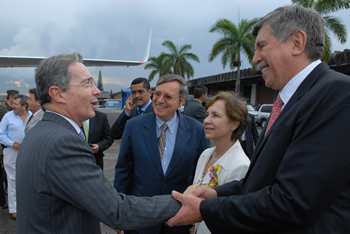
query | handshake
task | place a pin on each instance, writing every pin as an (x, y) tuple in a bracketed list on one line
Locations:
[(190, 200), (189, 213)]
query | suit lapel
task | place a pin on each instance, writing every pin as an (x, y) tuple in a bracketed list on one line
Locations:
[(150, 137), (92, 124), (182, 139), (304, 87)]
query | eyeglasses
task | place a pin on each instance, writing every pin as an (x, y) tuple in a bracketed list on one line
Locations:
[(90, 82), (166, 97)]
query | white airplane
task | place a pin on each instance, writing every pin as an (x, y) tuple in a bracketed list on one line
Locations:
[(26, 61)]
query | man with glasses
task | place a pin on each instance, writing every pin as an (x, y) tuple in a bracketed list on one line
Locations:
[(159, 151), (59, 186), (138, 103)]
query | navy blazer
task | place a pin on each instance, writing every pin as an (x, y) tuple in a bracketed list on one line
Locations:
[(299, 178), (139, 172), (117, 128), (60, 189)]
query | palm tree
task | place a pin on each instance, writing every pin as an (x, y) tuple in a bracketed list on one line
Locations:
[(158, 66), (177, 59), (236, 39), (333, 24)]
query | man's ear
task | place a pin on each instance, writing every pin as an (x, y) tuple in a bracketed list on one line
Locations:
[(57, 94), (299, 42), (182, 100)]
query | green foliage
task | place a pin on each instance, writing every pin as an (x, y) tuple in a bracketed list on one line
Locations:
[(178, 58), (236, 39), (333, 24), (158, 66), (99, 82)]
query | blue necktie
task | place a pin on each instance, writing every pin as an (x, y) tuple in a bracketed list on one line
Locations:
[(81, 134), (140, 112)]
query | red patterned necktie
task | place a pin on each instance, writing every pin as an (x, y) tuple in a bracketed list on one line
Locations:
[(162, 140), (276, 110)]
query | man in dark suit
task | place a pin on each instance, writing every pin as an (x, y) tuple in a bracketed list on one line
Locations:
[(35, 107), (60, 187), (250, 136), (138, 103), (148, 165), (299, 177), (195, 108), (97, 134)]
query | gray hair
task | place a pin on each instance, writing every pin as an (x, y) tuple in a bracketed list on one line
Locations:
[(285, 21), (183, 92), (53, 71), (23, 99)]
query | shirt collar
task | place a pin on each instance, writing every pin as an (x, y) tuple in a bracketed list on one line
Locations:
[(74, 124), (171, 123), (290, 88)]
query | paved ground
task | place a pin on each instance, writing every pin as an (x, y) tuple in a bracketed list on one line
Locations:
[(8, 225)]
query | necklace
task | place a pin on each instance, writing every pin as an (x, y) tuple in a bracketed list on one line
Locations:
[(213, 159)]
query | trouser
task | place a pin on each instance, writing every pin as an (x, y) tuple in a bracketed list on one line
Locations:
[(10, 157)]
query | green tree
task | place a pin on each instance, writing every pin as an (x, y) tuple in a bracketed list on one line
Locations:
[(158, 66), (177, 59), (333, 24), (111, 92), (236, 39), (99, 82)]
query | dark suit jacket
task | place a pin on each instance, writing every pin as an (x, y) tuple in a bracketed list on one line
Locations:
[(299, 177), (119, 125), (195, 110), (60, 189), (251, 137), (99, 133), (139, 171)]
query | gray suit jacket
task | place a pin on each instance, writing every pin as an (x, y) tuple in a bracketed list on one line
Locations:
[(34, 121), (196, 110), (60, 189)]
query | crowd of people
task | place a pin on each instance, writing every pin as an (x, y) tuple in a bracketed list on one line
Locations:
[(293, 178)]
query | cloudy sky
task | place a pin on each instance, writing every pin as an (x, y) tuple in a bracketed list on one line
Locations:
[(118, 29)]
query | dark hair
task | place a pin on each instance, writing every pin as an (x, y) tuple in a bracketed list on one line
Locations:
[(236, 110), (33, 91), (199, 90), (183, 91), (23, 99), (53, 71), (139, 80), (284, 21)]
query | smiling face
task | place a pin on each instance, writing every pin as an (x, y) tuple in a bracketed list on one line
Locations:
[(165, 109), (217, 125), (273, 58), (80, 98), (140, 94)]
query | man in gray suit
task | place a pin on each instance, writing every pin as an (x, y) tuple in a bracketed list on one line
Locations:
[(60, 188), (35, 107), (195, 108)]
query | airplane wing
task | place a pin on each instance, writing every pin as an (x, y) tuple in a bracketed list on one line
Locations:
[(25, 61)]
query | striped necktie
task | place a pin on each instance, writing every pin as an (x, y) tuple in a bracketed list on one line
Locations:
[(139, 112), (276, 110), (162, 140), (81, 134)]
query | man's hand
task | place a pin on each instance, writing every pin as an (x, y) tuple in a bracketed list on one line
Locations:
[(204, 192), (190, 189), (16, 145), (94, 148), (189, 212), (129, 104)]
